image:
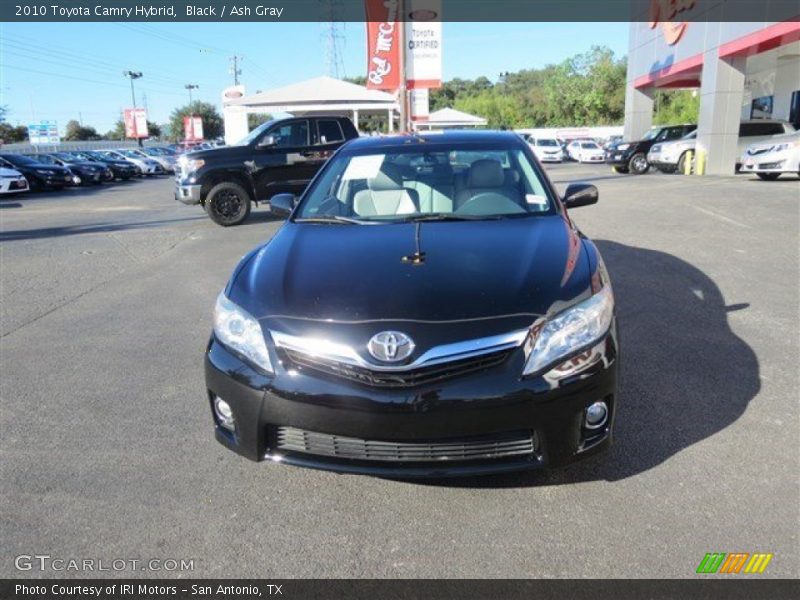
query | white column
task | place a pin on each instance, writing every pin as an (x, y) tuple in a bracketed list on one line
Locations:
[(638, 111), (390, 115), (355, 118), (721, 93)]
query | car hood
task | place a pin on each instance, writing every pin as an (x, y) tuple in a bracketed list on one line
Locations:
[(484, 276), (6, 172)]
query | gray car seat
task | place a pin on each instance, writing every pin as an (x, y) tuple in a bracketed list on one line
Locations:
[(487, 176), (385, 195)]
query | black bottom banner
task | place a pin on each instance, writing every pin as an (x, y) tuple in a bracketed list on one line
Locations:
[(400, 589)]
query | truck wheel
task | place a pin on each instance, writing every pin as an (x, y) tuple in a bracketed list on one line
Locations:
[(228, 204), (768, 176), (638, 164)]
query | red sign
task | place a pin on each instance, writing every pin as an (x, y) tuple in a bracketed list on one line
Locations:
[(192, 128), (135, 123), (664, 11), (383, 44)]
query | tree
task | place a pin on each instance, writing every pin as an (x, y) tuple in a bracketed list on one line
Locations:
[(212, 121), (153, 129), (676, 106), (256, 119), (117, 133), (76, 132), (10, 134)]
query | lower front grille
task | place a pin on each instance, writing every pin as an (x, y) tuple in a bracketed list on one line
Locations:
[(388, 379), (502, 445)]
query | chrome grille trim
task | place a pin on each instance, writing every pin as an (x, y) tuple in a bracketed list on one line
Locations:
[(502, 445), (343, 353)]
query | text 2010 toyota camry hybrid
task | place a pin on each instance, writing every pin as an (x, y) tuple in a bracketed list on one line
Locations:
[(428, 309)]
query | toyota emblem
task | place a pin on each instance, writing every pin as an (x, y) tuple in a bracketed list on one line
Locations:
[(390, 346)]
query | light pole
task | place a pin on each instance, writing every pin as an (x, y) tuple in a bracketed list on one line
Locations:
[(190, 87), (133, 75)]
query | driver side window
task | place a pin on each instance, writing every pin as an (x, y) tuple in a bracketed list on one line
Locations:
[(291, 135)]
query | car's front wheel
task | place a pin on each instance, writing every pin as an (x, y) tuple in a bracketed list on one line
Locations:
[(638, 164), (228, 204), (768, 176)]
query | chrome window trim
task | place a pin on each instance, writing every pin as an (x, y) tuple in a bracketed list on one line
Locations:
[(438, 354)]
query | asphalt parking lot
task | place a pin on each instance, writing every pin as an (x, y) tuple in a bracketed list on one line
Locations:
[(107, 447)]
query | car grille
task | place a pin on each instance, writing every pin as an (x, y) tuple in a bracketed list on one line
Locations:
[(389, 379), (757, 151), (500, 445), (771, 165)]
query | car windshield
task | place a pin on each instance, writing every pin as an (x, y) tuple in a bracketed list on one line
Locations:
[(44, 159), (546, 142), (443, 183), (131, 153), (650, 135), (690, 136), (589, 146), (64, 156), (255, 134), (19, 159)]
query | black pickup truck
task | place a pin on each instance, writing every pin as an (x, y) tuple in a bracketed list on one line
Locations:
[(276, 157)]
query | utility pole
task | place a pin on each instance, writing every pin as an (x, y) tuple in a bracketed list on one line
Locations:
[(190, 87), (235, 70), (403, 93), (133, 75)]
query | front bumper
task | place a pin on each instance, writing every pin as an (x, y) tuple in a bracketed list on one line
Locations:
[(617, 159), (557, 158), (494, 401), (773, 162), (188, 194), (13, 186)]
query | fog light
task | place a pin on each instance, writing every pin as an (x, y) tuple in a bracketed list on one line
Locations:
[(596, 415), (224, 413)]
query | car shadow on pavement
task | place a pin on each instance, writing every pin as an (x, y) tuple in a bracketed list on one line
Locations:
[(685, 376)]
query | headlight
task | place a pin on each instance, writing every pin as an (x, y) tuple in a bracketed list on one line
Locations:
[(622, 147), (656, 148), (190, 164), (235, 328), (786, 146), (571, 330)]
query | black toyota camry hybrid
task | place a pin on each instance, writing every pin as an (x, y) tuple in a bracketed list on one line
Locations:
[(428, 308)]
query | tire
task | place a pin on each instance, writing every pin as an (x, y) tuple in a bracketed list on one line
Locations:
[(228, 204), (617, 169), (682, 163), (638, 164), (768, 176)]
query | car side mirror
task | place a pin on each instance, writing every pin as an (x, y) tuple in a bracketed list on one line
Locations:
[(282, 205), (580, 194), (267, 141)]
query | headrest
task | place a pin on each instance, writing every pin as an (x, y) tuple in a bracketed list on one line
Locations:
[(486, 173), (388, 178)]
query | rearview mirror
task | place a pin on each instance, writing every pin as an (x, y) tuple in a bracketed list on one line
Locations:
[(266, 141), (282, 205), (580, 194)]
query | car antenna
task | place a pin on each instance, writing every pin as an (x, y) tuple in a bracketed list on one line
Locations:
[(418, 258)]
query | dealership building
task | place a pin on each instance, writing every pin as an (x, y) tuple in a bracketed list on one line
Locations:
[(741, 71)]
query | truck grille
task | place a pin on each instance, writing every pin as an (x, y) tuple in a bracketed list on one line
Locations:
[(389, 379), (500, 445)]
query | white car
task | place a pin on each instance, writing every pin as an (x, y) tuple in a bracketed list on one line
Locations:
[(586, 151), (12, 181), (669, 157), (167, 161), (146, 164), (546, 149), (769, 159)]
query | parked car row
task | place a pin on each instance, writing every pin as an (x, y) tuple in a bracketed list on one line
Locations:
[(668, 148), (552, 149), (56, 170)]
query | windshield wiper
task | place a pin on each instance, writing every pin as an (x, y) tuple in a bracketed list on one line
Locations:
[(336, 219), (450, 217)]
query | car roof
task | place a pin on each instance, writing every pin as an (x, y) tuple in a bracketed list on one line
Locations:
[(446, 138)]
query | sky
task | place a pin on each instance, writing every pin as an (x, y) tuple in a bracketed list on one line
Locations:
[(63, 71)]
